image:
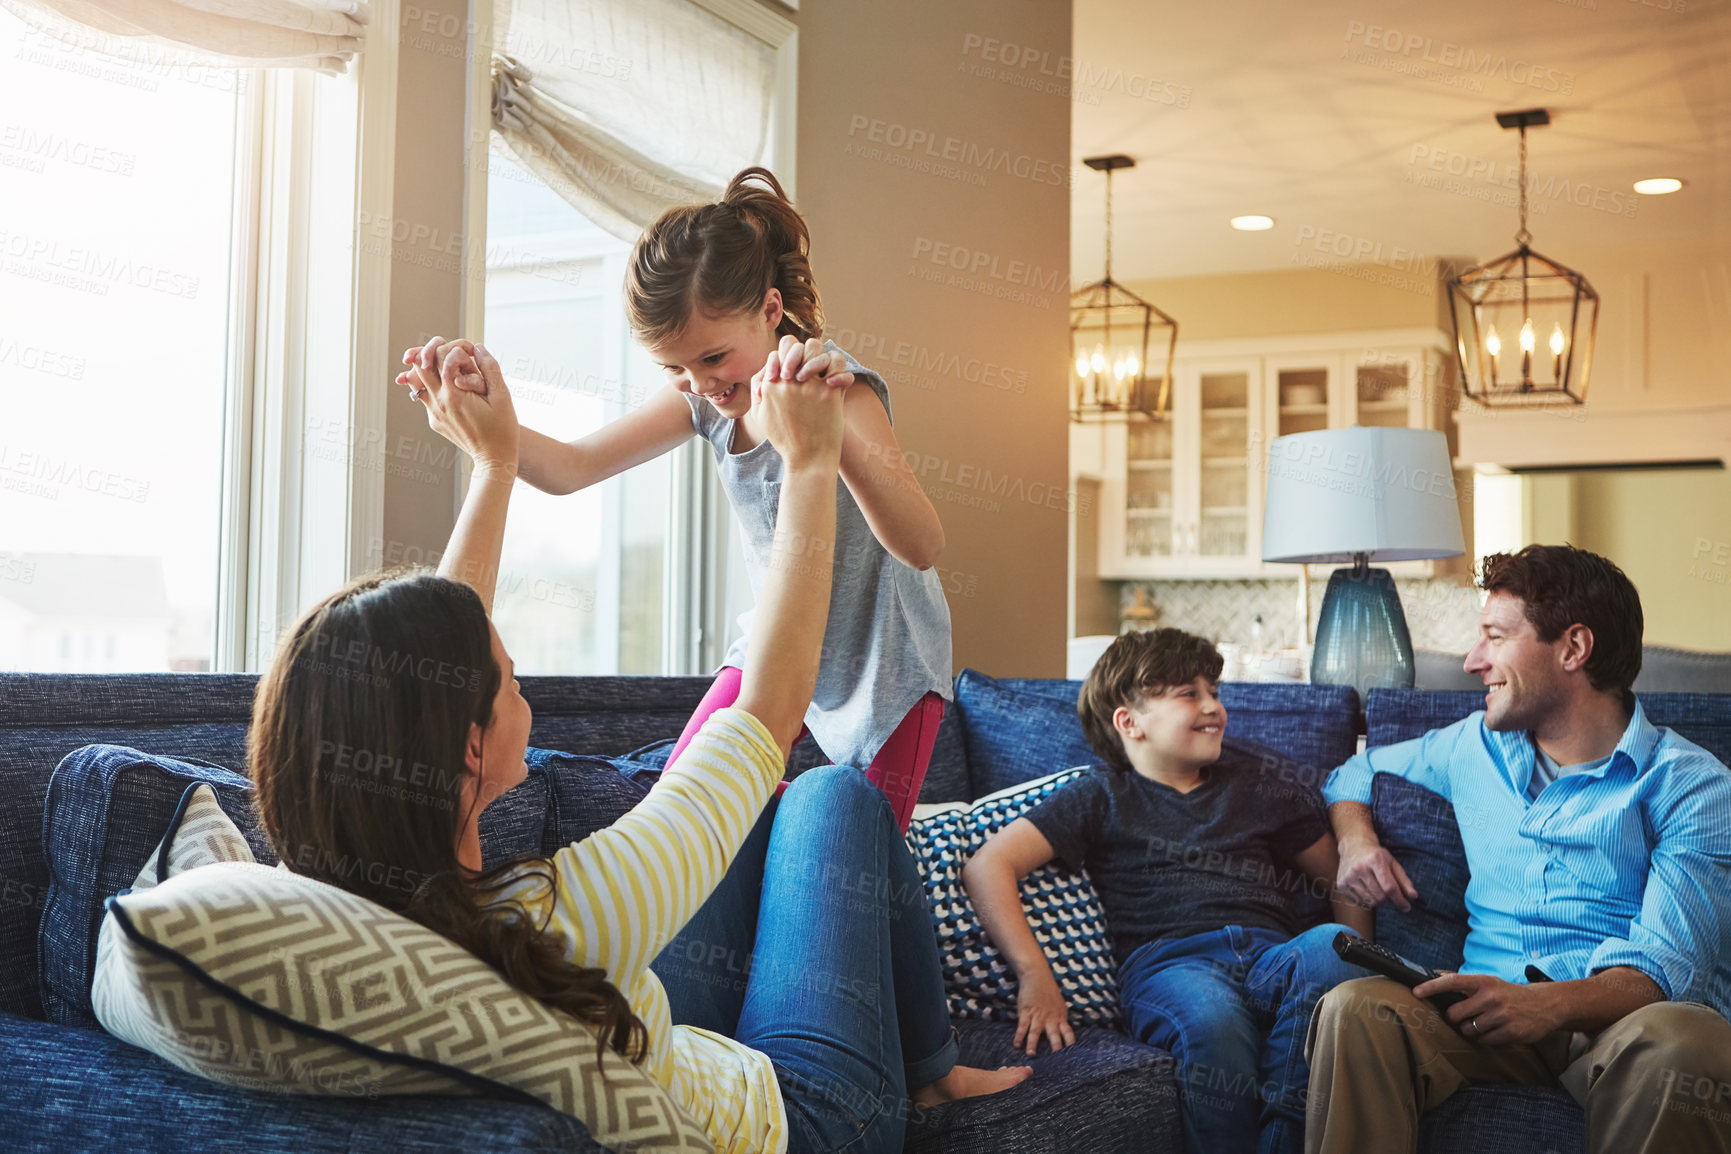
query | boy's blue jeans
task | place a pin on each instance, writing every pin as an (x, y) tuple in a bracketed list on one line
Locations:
[(817, 950), (1233, 1006)]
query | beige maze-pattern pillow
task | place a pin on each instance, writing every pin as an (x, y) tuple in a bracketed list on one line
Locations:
[(199, 833), (264, 979)]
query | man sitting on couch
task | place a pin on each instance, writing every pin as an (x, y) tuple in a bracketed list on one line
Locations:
[(1599, 903)]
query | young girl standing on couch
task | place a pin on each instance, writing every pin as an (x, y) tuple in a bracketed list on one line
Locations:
[(712, 292), (842, 1030)]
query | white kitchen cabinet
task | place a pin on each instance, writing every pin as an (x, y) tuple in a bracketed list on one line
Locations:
[(1183, 497)]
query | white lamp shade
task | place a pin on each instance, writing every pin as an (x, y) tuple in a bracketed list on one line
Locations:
[(1387, 493)]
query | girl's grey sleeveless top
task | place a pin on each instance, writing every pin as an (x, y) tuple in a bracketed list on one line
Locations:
[(888, 639)]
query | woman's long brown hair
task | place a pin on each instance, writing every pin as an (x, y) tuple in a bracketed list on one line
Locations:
[(356, 749), (720, 259)]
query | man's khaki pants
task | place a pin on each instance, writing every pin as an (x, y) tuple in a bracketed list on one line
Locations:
[(1656, 1082)]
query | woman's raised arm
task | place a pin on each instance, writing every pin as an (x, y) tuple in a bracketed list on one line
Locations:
[(805, 421), (485, 427)]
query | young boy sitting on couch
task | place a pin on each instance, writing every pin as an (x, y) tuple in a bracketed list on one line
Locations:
[(1191, 846)]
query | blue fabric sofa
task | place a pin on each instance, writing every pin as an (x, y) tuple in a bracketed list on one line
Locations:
[(65, 1085)]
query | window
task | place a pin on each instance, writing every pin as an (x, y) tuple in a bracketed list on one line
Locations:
[(118, 181), (645, 574), (581, 581)]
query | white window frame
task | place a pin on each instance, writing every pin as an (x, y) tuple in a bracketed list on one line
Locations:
[(308, 332), (700, 525)]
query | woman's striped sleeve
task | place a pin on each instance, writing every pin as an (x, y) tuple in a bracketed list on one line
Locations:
[(627, 890)]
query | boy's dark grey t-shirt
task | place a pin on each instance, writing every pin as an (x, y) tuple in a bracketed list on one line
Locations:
[(1169, 864)]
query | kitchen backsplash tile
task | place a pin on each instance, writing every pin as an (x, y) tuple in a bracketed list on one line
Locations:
[(1441, 614)]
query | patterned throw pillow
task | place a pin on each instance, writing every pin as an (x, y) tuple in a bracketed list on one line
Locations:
[(198, 834), (1062, 908), (263, 979)]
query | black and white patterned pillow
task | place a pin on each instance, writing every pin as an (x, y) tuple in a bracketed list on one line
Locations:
[(1062, 907)]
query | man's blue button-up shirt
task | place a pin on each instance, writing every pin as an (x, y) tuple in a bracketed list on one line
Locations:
[(1627, 864)]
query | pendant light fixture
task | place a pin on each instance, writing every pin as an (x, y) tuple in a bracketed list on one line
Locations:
[(1112, 334), (1524, 324)]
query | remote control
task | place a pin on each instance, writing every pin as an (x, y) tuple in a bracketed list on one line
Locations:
[(1386, 962)]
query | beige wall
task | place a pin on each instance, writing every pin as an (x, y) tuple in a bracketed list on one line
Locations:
[(426, 282), (909, 165), (1669, 530), (1283, 302)]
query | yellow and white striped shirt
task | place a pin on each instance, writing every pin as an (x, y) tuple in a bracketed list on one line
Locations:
[(627, 890)]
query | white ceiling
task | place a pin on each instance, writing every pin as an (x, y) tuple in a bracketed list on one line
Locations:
[(1292, 114)]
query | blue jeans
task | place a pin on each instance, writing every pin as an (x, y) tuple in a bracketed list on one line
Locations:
[(1233, 1006), (817, 950)]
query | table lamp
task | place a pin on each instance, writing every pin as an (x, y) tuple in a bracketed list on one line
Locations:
[(1360, 495)]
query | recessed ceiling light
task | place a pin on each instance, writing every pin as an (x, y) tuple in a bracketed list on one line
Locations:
[(1253, 223), (1658, 185)]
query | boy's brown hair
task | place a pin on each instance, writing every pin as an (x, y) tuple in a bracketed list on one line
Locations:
[(1133, 666)]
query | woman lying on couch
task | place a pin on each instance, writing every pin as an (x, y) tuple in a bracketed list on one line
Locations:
[(843, 1014)]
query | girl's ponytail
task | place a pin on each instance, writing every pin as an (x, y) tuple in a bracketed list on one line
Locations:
[(720, 259)]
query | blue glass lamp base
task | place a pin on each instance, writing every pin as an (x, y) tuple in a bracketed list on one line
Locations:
[(1361, 638)]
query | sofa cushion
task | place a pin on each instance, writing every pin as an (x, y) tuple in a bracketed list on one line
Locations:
[(1704, 718), (1018, 729), (262, 978), (43, 717), (1394, 715), (1106, 1094), (946, 773), (68, 1090), (1015, 729), (1505, 1120), (586, 793), (1418, 827), (1061, 906), (107, 808)]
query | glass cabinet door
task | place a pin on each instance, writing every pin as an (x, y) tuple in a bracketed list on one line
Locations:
[(1149, 499), (1382, 393), (1301, 400), (1224, 415)]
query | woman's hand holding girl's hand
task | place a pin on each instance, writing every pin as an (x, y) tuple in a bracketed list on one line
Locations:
[(423, 370), (795, 361), (482, 423), (803, 419)]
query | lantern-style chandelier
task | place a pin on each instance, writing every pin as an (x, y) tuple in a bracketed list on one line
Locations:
[(1112, 334), (1524, 324)]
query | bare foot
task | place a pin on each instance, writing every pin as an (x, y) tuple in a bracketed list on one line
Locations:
[(970, 1082)]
